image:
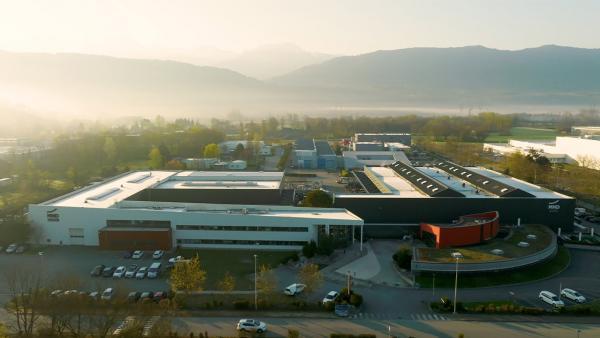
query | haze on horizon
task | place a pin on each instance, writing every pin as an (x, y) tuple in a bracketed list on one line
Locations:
[(212, 31)]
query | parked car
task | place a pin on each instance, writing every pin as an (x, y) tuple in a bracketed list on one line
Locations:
[(137, 254), (108, 271), (158, 254), (127, 254), (95, 295), (331, 296), (119, 272), (251, 325), (141, 273), (158, 295), (108, 294), (133, 297), (552, 299), (97, 270), (294, 289), (146, 296), (154, 270), (56, 293), (20, 249), (11, 248), (131, 270), (572, 295), (176, 259)]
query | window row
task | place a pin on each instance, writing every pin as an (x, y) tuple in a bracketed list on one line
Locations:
[(239, 242), (137, 223), (240, 228)]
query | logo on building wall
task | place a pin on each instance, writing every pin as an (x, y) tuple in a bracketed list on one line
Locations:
[(52, 215), (554, 206)]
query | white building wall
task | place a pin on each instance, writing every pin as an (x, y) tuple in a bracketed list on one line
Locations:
[(91, 220), (584, 151)]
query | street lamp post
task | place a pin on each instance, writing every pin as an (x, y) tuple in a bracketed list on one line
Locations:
[(255, 290), (456, 283)]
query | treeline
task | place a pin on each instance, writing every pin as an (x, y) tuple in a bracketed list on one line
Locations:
[(463, 128)]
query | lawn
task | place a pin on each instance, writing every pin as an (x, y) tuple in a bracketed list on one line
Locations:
[(239, 263), (481, 253), (527, 274), (523, 133)]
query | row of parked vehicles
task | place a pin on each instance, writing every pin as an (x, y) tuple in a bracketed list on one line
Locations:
[(557, 302), (131, 271), (13, 248)]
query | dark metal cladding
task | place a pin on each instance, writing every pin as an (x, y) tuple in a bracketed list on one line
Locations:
[(366, 183), (422, 182), (482, 182)]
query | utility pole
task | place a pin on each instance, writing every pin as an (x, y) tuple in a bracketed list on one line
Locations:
[(455, 284), (255, 290), (349, 277), (433, 286)]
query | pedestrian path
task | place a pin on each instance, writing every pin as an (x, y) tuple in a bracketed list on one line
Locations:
[(390, 316)]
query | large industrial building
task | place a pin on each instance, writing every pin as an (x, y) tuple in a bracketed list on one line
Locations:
[(314, 154), (399, 197), (163, 209)]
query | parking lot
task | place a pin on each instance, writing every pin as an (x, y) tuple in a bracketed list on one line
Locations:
[(74, 264)]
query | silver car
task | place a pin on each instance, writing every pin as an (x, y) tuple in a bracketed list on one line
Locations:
[(251, 325)]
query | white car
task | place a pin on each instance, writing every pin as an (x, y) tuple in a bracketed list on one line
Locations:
[(131, 270), (119, 272), (251, 325), (331, 296), (176, 259), (572, 295), (141, 273), (552, 299), (11, 248), (158, 254), (137, 254), (294, 289), (108, 294)]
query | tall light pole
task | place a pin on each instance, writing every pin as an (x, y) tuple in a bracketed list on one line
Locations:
[(255, 290), (456, 282)]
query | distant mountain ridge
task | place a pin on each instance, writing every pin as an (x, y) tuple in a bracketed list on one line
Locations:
[(415, 77)]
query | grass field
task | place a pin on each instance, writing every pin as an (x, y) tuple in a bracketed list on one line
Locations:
[(531, 273), (523, 133), (480, 253), (239, 263)]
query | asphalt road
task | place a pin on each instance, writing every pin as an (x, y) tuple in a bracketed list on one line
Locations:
[(278, 327)]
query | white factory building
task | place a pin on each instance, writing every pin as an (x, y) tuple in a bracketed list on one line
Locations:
[(164, 209), (582, 150)]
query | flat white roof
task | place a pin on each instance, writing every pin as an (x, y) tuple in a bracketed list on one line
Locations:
[(106, 193), (396, 184)]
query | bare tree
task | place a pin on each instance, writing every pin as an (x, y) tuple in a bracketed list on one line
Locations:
[(25, 288)]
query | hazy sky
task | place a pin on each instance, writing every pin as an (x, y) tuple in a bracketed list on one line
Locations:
[(157, 28)]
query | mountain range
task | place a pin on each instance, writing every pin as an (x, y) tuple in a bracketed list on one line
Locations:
[(475, 75)]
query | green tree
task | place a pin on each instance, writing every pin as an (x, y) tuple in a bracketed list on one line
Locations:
[(174, 165), (311, 276), (156, 158), (317, 198), (110, 149), (187, 276), (227, 283), (211, 150)]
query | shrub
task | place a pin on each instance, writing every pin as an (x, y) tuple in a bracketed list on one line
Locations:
[(329, 306), (403, 257), (292, 333), (356, 299), (309, 249)]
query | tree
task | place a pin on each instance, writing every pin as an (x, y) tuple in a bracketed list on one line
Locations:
[(310, 275), (211, 150), (266, 281), (26, 296), (156, 158), (187, 276), (110, 149), (317, 198), (227, 283), (3, 331), (174, 165)]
